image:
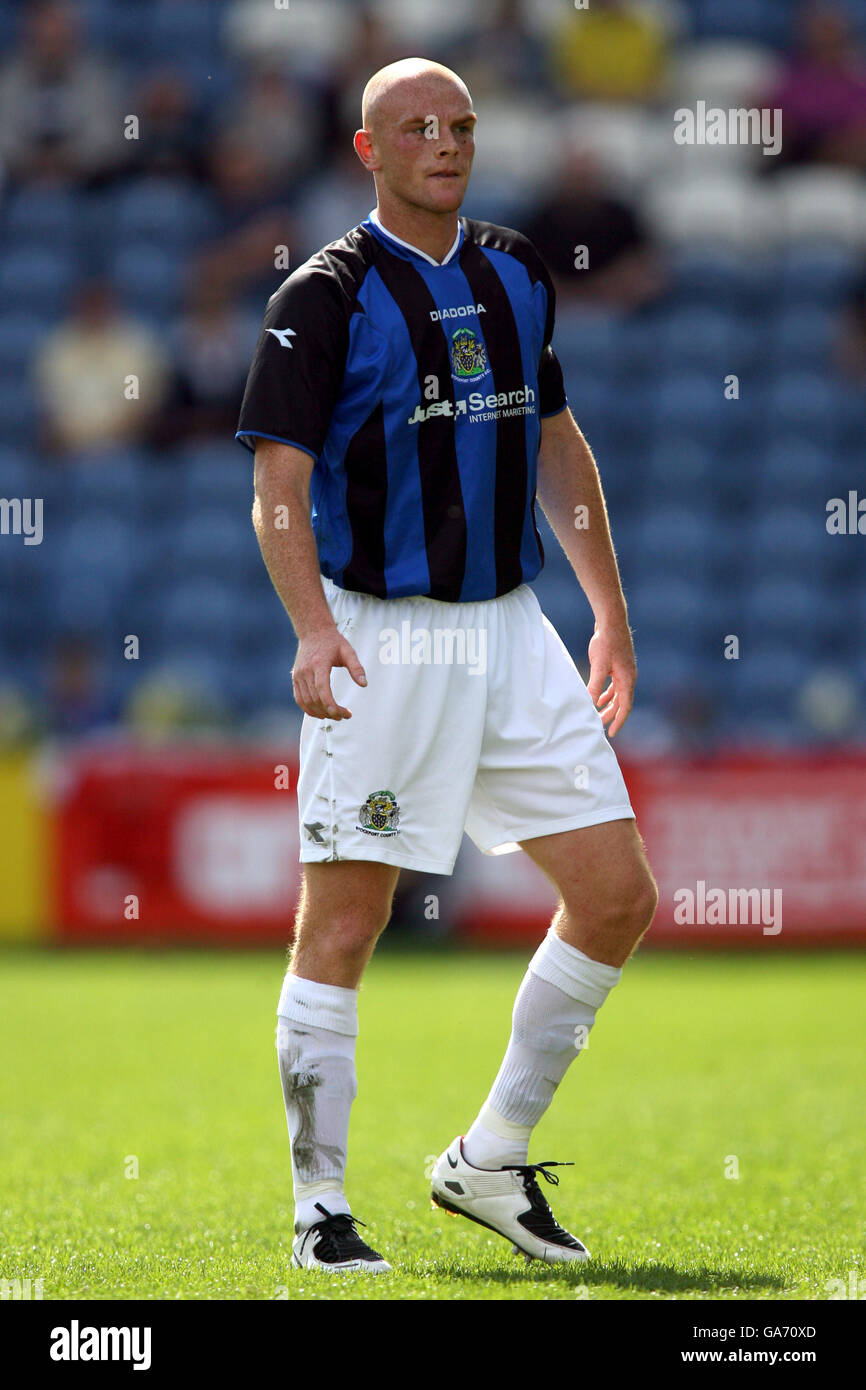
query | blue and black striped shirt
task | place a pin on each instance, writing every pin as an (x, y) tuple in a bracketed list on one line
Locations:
[(418, 388)]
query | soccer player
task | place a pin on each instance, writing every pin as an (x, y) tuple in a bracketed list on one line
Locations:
[(405, 405)]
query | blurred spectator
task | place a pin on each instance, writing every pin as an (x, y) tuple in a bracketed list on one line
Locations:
[(253, 217), (212, 345), (310, 35), (822, 94), (78, 702), (170, 142), (337, 200), (281, 119), (504, 58), (829, 705), (81, 372), (18, 722), (59, 113), (171, 703), (372, 49), (614, 50), (621, 267)]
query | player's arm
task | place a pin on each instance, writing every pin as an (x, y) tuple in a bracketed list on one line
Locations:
[(282, 491), (568, 481)]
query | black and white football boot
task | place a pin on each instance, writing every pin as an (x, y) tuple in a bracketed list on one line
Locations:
[(334, 1245), (505, 1200)]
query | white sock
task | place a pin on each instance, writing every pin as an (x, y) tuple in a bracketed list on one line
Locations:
[(316, 1032), (555, 1008)]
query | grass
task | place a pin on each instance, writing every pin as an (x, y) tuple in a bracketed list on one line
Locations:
[(166, 1061)]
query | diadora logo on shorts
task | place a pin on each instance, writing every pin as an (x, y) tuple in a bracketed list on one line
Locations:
[(380, 814), (437, 315), (495, 406)]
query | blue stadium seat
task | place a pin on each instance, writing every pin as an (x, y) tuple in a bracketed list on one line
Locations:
[(705, 337), (165, 211), (692, 403), (211, 542), (805, 400), (200, 614), (264, 684), (794, 471), (264, 626), (762, 21), (713, 276), (789, 539), (680, 470), (786, 609), (21, 332), (175, 31), (215, 473), (85, 603), (637, 355), (112, 481), (17, 472), (18, 408), (676, 540), (674, 611), (592, 395), (767, 678), (115, 28), (148, 279), (38, 281), (563, 602), (98, 545), (587, 341), (665, 672), (803, 336), (820, 274), (42, 213)]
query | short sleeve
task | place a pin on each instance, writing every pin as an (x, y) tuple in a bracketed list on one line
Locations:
[(299, 363), (551, 387)]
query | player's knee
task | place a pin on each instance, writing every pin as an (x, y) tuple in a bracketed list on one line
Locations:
[(622, 915), (353, 930)]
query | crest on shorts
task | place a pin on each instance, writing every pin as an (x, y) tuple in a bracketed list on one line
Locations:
[(380, 814), (468, 355)]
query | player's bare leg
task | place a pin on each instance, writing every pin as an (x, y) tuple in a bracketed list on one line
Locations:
[(343, 909), (607, 900), (607, 891)]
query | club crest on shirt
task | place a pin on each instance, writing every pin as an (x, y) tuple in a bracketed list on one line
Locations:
[(468, 355), (380, 814)]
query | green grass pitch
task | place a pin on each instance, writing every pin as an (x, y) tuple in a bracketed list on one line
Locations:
[(698, 1067)]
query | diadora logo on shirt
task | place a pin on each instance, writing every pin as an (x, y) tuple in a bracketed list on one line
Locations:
[(476, 407), (283, 335), (463, 312)]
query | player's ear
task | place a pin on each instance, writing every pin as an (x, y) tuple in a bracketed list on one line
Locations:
[(363, 143)]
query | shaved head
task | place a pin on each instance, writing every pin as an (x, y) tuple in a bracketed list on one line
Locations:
[(390, 87), (418, 142)]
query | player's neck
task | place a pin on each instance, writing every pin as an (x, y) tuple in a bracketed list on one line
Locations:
[(430, 232)]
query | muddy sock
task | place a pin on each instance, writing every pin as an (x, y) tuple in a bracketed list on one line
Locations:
[(316, 1031)]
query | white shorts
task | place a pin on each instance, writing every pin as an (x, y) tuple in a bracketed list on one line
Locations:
[(474, 717)]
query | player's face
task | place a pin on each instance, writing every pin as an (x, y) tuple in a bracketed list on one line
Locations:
[(426, 149)]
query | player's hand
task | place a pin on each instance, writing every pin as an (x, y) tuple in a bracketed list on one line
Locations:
[(611, 653), (316, 658)]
